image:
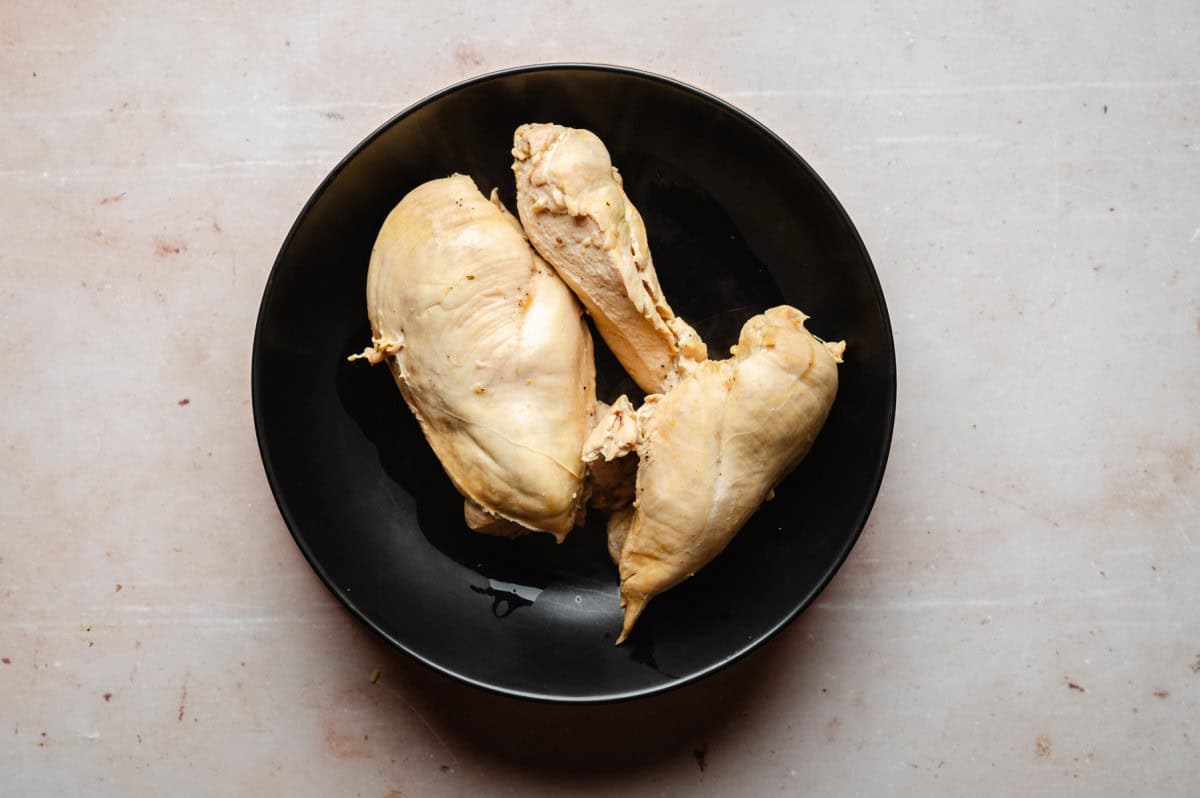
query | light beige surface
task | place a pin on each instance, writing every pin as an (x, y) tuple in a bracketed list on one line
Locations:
[(1022, 614)]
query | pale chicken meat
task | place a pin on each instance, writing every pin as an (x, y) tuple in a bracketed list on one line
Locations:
[(713, 448), (574, 209), (610, 473), (491, 353)]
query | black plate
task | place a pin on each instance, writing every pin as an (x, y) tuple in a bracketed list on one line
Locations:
[(737, 221)]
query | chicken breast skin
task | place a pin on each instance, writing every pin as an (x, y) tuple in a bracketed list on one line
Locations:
[(574, 209), (714, 447), (491, 353)]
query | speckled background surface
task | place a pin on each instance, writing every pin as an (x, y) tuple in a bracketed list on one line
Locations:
[(1022, 614)]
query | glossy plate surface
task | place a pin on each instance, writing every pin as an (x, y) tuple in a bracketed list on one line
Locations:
[(737, 223)]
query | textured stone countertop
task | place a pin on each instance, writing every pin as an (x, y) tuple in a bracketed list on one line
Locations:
[(1021, 615)]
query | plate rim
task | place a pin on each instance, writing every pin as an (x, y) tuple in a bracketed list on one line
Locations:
[(754, 642)]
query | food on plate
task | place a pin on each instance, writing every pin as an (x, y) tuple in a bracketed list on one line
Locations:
[(576, 214), (491, 353), (490, 350), (713, 448), (610, 473)]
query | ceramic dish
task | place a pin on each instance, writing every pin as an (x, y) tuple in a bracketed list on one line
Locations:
[(737, 223)]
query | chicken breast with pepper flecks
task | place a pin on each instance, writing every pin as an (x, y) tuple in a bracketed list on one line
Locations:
[(576, 214), (490, 352), (713, 449)]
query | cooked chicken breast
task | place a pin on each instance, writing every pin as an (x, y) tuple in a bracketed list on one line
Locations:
[(611, 474), (575, 212), (490, 352), (714, 448)]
